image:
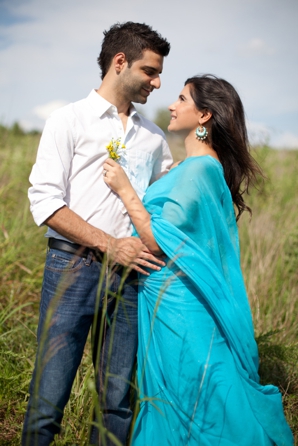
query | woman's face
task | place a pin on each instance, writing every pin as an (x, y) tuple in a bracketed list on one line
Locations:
[(184, 114)]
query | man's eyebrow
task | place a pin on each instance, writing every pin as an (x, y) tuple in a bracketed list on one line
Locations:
[(148, 67)]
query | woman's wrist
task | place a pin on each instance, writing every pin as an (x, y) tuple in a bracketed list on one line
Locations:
[(126, 191)]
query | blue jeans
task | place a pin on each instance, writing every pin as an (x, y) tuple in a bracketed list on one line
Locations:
[(78, 293)]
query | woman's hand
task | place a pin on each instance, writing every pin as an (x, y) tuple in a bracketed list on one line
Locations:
[(115, 177)]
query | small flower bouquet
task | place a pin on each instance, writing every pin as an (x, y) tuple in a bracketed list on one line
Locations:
[(114, 147)]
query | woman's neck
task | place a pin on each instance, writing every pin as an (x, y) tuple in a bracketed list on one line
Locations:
[(195, 147)]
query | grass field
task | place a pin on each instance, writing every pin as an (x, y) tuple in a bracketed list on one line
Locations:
[(269, 249)]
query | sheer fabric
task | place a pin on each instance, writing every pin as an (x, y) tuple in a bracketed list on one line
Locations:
[(197, 356)]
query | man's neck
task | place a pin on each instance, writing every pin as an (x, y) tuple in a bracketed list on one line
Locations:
[(112, 95)]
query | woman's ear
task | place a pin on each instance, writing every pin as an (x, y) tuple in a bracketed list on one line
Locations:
[(205, 116)]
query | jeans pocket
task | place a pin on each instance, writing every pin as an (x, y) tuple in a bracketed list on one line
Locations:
[(60, 261)]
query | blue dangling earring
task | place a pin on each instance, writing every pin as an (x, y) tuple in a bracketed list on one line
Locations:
[(201, 133)]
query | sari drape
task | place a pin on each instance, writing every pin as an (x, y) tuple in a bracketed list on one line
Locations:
[(197, 356)]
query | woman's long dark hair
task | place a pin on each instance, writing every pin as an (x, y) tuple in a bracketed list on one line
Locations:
[(228, 133)]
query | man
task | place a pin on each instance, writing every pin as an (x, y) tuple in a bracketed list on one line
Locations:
[(86, 223)]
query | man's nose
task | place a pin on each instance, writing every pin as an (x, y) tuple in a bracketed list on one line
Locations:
[(156, 83)]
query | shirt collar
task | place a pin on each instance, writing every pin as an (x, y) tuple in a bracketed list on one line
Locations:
[(133, 111), (101, 105)]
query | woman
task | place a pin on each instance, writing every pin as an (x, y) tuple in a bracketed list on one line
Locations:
[(197, 357)]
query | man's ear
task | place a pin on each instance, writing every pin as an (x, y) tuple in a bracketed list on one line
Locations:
[(119, 62)]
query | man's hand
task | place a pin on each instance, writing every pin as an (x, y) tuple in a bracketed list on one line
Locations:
[(131, 252)]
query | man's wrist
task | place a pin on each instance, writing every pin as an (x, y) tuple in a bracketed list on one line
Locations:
[(109, 244)]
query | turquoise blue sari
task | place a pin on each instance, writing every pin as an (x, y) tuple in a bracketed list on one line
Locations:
[(197, 356)]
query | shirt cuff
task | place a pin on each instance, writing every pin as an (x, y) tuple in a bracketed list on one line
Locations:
[(44, 210)]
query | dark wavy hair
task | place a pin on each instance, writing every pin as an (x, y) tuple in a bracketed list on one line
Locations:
[(228, 133), (131, 39)]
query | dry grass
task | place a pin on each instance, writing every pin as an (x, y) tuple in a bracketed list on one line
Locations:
[(269, 247)]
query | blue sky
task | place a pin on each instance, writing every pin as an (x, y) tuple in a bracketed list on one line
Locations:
[(48, 52)]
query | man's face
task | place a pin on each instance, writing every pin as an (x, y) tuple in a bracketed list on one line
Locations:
[(140, 79)]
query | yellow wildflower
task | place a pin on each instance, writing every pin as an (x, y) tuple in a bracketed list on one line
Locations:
[(113, 147)]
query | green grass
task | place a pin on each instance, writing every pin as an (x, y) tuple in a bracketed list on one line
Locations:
[(269, 250)]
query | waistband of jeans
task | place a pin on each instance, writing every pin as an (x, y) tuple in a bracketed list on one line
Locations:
[(74, 248), (83, 251)]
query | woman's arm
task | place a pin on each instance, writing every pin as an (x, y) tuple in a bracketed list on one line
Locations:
[(118, 181)]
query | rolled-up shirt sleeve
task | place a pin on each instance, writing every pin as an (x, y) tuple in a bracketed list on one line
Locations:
[(163, 162), (50, 172)]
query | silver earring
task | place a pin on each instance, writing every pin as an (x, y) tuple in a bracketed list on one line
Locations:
[(201, 133)]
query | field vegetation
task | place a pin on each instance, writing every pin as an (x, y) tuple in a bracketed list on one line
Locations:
[(269, 250)]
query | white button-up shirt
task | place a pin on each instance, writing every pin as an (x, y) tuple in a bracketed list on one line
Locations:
[(69, 165)]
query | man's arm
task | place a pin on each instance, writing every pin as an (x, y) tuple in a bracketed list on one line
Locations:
[(49, 178), (129, 251)]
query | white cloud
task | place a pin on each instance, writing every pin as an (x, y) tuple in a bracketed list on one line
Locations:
[(257, 47), (44, 111), (258, 133), (286, 140), (261, 134), (51, 53), (28, 125)]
